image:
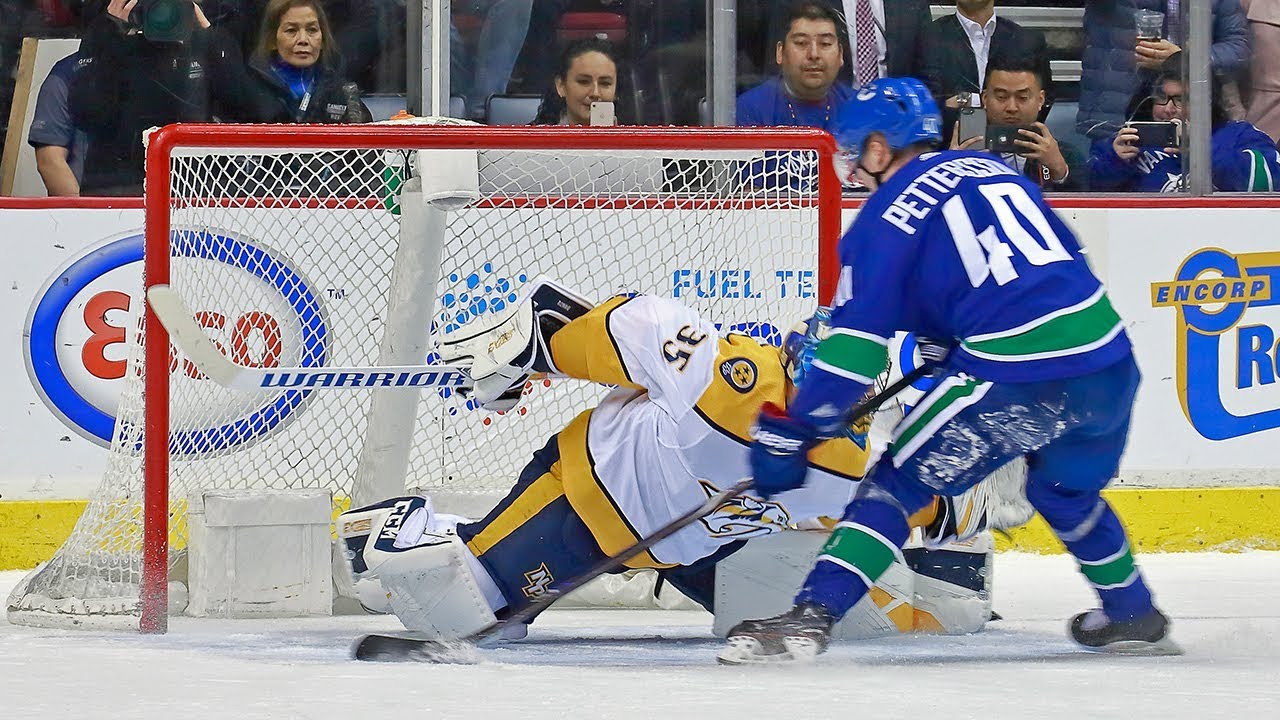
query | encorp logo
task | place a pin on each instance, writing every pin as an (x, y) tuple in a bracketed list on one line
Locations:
[(1228, 356), (81, 321)]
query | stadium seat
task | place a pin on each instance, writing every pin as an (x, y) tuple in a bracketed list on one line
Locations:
[(511, 109), (382, 106), (606, 25)]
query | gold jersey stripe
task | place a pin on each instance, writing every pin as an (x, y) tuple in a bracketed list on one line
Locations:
[(590, 499), (537, 496)]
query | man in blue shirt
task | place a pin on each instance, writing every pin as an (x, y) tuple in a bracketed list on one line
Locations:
[(805, 93), (58, 143), (959, 247)]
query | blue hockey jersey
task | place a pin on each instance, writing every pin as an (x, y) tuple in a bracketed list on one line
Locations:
[(1243, 160), (959, 247)]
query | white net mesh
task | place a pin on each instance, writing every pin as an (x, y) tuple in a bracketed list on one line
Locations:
[(287, 258)]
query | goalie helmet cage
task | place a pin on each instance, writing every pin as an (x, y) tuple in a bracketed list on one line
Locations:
[(334, 245)]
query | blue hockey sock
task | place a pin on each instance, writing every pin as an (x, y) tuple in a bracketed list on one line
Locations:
[(1099, 544), (859, 551)]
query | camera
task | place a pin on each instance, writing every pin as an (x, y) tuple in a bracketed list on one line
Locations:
[(1000, 138), (164, 20), (1158, 134)]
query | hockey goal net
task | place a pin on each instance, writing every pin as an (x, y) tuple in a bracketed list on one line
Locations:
[(357, 245)]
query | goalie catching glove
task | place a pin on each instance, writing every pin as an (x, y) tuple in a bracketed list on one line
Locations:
[(504, 351)]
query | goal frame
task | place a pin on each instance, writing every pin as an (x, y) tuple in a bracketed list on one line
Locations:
[(153, 589)]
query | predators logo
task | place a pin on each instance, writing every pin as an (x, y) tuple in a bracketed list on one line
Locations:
[(540, 580), (744, 517), (740, 373)]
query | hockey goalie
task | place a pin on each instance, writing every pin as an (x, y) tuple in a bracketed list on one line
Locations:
[(673, 432)]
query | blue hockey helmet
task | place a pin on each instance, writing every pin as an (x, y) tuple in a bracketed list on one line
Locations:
[(901, 109), (799, 344)]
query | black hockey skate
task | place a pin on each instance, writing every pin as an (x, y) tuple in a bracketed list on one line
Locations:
[(799, 634), (1147, 635)]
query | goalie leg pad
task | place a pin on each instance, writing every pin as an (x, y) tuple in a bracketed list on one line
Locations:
[(432, 588), (952, 585), (430, 580), (503, 351), (999, 502)]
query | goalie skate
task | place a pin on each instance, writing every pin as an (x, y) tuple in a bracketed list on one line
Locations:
[(798, 635), (1147, 635)]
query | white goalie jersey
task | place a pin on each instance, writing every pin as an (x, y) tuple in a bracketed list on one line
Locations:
[(676, 430)]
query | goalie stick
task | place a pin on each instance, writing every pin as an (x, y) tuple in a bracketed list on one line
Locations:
[(191, 339), (393, 648)]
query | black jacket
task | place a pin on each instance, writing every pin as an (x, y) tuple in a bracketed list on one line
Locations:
[(327, 104), (127, 84), (950, 67)]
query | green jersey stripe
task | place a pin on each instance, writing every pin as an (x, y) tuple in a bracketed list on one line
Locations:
[(952, 391), (860, 547), (1260, 179), (1115, 571), (1054, 335), (861, 355)]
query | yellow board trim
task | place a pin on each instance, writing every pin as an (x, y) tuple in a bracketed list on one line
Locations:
[(1178, 520), (1159, 520), (540, 493), (32, 530)]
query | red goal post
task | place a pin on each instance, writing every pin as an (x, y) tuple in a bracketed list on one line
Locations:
[(313, 212)]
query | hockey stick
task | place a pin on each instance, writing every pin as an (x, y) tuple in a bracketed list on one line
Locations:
[(391, 648), (187, 334)]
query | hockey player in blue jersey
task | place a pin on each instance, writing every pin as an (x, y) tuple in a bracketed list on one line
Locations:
[(958, 247)]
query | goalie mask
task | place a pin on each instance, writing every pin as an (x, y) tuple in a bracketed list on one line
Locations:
[(799, 345)]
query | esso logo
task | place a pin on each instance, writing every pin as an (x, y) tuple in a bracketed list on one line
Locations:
[(255, 307)]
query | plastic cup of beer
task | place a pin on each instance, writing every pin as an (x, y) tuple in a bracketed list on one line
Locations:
[(1149, 24)]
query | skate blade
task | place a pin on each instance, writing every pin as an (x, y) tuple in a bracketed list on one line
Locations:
[(743, 650), (1160, 648)]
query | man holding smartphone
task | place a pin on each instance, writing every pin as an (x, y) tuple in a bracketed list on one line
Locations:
[(1012, 97), (1145, 156)]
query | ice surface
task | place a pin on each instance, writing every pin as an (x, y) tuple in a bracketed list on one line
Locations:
[(660, 664)]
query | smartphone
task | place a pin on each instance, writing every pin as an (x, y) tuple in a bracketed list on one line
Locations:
[(973, 123), (1158, 134), (602, 114), (1000, 138)]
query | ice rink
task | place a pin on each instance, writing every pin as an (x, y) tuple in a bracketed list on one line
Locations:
[(660, 664)]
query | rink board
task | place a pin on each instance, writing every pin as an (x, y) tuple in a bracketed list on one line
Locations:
[(1192, 278)]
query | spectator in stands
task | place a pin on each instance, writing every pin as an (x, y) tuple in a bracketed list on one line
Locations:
[(1115, 63), (587, 73), (955, 58), (128, 83), (58, 143), (295, 64), (1264, 26), (1243, 158), (484, 70), (354, 24), (1014, 97), (809, 58), (880, 38)]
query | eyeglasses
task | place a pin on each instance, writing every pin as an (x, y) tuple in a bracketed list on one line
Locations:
[(1177, 100)]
